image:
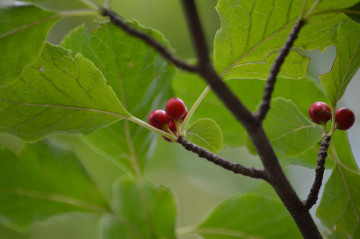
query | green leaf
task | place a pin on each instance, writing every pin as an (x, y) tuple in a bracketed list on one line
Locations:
[(103, 171), (41, 181), (308, 158), (342, 150), (10, 234), (289, 131), (144, 211), (339, 208), (22, 34), (346, 63), (251, 35), (58, 94), (249, 217), (206, 133), (139, 76)]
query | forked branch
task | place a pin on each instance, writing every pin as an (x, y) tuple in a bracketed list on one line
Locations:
[(275, 69), (273, 172)]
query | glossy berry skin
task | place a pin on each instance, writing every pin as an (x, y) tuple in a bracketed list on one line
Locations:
[(344, 118), (158, 119), (175, 108), (184, 116), (320, 112)]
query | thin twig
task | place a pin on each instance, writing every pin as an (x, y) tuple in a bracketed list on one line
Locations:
[(319, 173), (224, 163), (275, 69), (119, 22)]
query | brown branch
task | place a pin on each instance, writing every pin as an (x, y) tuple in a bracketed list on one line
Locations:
[(119, 22), (319, 173), (252, 124), (224, 163), (207, 71), (275, 69)]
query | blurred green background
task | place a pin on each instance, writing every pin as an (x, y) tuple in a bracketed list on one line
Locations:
[(198, 185)]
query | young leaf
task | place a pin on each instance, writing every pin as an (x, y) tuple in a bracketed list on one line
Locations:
[(289, 131), (206, 133), (22, 34), (42, 181), (139, 76), (143, 211), (346, 63), (249, 217), (339, 208), (251, 35), (56, 94)]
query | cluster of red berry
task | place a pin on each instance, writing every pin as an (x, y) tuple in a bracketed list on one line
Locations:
[(170, 119), (320, 113)]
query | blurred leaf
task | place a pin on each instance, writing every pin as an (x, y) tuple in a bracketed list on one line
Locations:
[(346, 63), (339, 207), (11, 143), (144, 211), (58, 94), (289, 131), (44, 180), (252, 34), (103, 171), (22, 34), (206, 133), (7, 233), (249, 217), (337, 233), (139, 76)]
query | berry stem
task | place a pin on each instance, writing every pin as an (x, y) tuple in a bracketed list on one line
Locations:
[(333, 123), (193, 109), (151, 128)]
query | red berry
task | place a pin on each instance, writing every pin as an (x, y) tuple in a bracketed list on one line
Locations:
[(344, 118), (186, 112), (175, 108), (320, 112), (158, 118)]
